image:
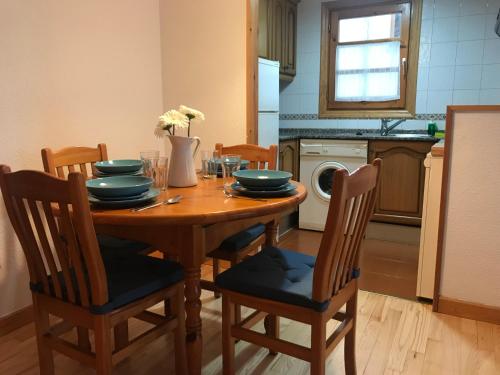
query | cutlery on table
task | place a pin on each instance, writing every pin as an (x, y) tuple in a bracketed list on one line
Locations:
[(229, 195), (172, 200)]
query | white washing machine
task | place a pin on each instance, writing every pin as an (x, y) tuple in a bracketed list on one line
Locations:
[(319, 159)]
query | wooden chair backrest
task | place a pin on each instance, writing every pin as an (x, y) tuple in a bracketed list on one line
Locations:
[(259, 157), (66, 243), (73, 159), (351, 206)]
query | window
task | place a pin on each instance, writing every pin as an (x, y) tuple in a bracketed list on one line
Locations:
[(369, 58)]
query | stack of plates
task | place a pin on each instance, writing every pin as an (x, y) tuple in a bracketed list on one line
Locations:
[(263, 183), (110, 168), (121, 191)]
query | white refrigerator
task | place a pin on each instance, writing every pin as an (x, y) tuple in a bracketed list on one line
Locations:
[(269, 102)]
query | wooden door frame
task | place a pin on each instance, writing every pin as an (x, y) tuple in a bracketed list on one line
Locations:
[(470, 310), (252, 71)]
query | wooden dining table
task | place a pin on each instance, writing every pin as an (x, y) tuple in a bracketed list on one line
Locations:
[(191, 229)]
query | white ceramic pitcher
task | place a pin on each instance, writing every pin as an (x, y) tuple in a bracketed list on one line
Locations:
[(181, 171)]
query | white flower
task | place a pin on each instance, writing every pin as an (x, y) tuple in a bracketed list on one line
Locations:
[(159, 131), (175, 118), (191, 113)]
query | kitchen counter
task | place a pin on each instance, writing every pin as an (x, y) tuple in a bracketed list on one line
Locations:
[(353, 134), (438, 148)]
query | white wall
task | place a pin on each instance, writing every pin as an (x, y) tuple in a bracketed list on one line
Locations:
[(459, 62), (471, 256), (204, 65), (72, 73)]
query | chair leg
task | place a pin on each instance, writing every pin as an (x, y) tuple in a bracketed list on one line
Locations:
[(167, 308), (272, 326), (102, 329), (350, 338), (318, 346), (121, 335), (228, 341), (237, 308), (83, 339), (42, 325), (215, 272), (180, 332)]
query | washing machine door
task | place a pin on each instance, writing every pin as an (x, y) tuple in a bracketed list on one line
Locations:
[(322, 179)]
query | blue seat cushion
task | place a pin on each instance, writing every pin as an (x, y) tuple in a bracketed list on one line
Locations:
[(242, 239), (275, 274), (130, 278), (111, 246)]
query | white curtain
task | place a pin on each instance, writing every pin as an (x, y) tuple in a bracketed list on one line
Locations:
[(367, 72)]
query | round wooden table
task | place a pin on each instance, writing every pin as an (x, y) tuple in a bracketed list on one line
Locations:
[(193, 228)]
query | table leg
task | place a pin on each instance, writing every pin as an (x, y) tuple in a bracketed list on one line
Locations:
[(272, 232), (193, 319), (192, 257)]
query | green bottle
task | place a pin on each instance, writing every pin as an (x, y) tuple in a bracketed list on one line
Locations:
[(432, 129)]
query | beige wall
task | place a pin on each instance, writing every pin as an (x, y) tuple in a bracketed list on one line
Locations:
[(73, 72), (471, 254), (203, 48)]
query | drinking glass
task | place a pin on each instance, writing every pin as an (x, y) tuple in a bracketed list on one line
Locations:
[(147, 157), (230, 164), (208, 164), (157, 169)]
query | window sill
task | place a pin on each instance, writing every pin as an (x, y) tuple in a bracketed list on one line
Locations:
[(366, 114)]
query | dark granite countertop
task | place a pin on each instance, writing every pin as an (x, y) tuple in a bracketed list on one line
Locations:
[(353, 134)]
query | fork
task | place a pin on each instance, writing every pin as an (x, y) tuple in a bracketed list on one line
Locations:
[(229, 195)]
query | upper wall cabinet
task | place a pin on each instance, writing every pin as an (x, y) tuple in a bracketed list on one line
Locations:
[(278, 34)]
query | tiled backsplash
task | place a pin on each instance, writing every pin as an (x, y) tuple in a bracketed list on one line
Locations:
[(459, 64)]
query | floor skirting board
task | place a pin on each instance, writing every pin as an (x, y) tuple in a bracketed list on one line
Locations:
[(16, 320), (469, 310)]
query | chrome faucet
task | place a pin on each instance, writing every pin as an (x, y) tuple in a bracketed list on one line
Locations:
[(385, 128)]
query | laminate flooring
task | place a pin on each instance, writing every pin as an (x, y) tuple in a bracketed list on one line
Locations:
[(394, 336)]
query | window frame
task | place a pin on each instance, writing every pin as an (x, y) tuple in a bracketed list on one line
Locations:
[(332, 12)]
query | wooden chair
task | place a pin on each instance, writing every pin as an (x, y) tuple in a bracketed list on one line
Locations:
[(83, 159), (237, 247), (71, 159), (278, 282), (71, 280)]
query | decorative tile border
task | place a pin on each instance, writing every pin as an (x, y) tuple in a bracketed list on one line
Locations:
[(313, 116), (431, 116), (305, 116)]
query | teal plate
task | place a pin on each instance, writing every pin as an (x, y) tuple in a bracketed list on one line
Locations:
[(263, 188), (149, 196), (118, 166), (258, 178), (288, 190), (97, 173), (124, 198), (118, 186)]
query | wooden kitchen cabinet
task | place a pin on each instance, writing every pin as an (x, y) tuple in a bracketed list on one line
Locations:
[(289, 157), (288, 160), (278, 34), (401, 192), (290, 48)]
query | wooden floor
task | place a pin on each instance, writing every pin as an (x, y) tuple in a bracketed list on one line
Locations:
[(395, 336), (389, 257)]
